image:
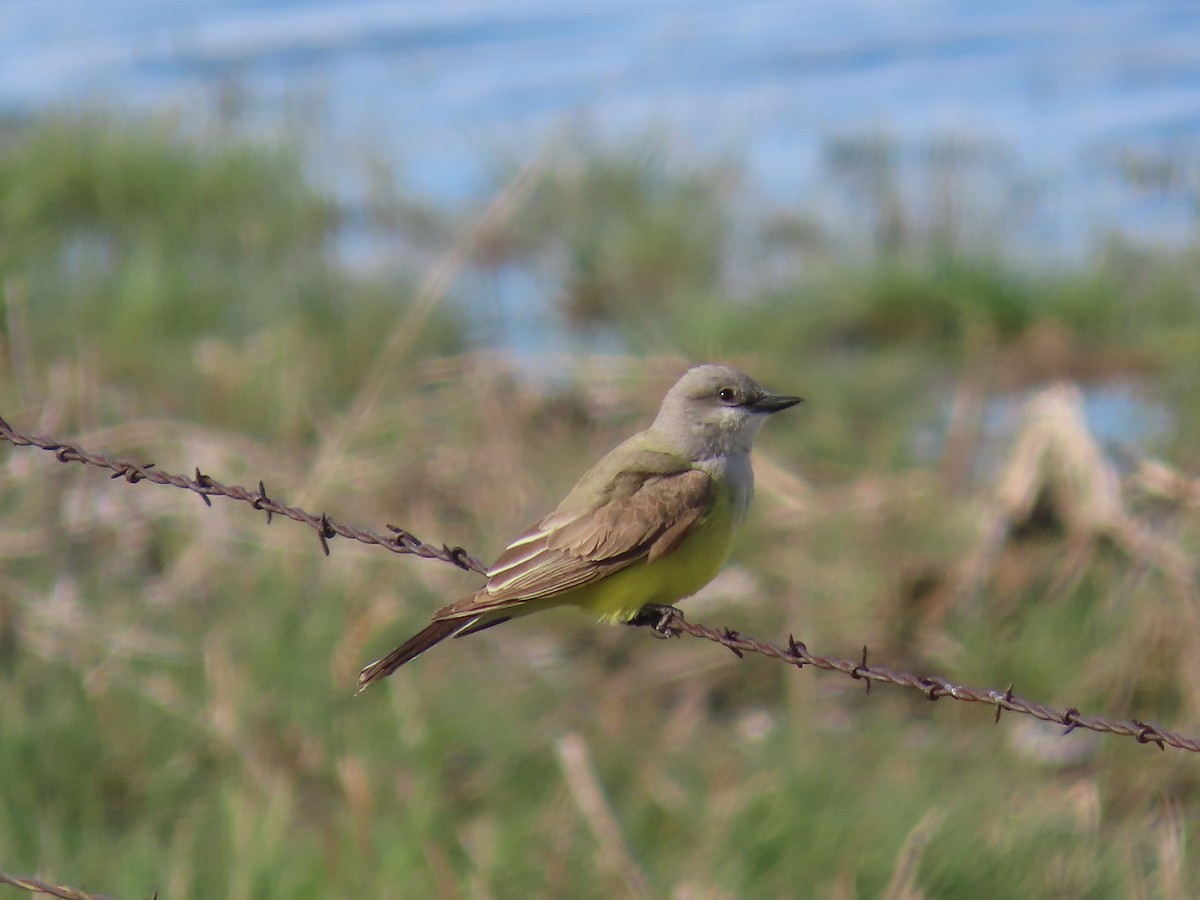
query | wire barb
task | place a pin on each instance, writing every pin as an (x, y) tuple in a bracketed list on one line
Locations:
[(795, 654), (202, 483), (260, 499), (325, 532), (858, 671), (1148, 734), (1004, 701), (731, 639)]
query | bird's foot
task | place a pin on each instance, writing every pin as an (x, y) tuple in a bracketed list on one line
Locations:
[(660, 618)]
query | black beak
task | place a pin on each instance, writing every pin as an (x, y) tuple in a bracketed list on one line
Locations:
[(773, 403)]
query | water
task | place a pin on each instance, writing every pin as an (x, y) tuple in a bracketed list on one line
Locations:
[(1064, 86)]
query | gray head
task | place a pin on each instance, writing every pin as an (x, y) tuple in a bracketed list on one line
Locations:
[(716, 411)]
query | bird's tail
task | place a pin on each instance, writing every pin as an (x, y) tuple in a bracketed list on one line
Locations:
[(433, 633)]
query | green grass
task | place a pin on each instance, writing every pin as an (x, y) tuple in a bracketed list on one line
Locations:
[(176, 682)]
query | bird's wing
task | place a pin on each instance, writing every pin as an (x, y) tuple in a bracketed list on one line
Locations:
[(567, 550)]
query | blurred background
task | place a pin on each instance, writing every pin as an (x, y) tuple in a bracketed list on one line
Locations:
[(416, 263)]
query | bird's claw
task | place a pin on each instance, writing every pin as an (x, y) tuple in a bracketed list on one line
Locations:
[(660, 619)]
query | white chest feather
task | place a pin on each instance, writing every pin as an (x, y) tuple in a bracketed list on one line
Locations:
[(735, 473)]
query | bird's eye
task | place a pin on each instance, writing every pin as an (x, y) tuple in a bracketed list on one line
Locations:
[(728, 395)]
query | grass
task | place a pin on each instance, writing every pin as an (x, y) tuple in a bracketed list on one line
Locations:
[(177, 705)]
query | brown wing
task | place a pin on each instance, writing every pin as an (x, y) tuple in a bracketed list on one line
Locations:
[(565, 551)]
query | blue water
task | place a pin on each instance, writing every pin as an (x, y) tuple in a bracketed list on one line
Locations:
[(1063, 86)]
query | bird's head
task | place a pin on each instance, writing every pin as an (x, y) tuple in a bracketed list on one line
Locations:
[(715, 410)]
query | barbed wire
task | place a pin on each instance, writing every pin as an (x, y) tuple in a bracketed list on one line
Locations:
[(673, 623), (35, 886), (400, 541), (934, 687)]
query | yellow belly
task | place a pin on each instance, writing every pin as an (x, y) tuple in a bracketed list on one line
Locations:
[(693, 564)]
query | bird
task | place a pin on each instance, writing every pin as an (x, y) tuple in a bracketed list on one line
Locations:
[(648, 525)]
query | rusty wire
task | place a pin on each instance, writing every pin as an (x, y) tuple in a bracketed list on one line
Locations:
[(326, 528), (674, 624), (35, 886), (933, 687)]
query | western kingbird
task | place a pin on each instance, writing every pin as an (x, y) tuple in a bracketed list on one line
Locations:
[(649, 524)]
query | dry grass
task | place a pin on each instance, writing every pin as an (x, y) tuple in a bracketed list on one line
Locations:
[(178, 705), (187, 673)]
